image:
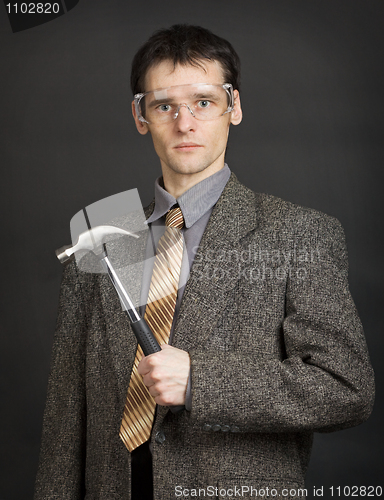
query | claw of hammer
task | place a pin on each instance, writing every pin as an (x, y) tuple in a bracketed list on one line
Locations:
[(90, 240)]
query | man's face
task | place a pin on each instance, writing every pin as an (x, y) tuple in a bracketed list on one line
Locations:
[(187, 146)]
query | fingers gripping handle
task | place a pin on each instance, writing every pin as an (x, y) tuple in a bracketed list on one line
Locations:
[(149, 345)]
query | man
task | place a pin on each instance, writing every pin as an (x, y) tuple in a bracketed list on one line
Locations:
[(266, 346)]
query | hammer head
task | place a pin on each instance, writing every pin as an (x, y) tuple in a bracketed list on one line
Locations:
[(91, 240)]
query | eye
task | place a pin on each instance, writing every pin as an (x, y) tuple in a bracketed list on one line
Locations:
[(164, 108), (203, 103)]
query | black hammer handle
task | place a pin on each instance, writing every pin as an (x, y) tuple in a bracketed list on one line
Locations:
[(145, 337)]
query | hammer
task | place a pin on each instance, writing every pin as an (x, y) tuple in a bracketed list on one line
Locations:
[(93, 241)]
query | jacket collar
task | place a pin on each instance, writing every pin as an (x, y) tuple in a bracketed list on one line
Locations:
[(231, 210)]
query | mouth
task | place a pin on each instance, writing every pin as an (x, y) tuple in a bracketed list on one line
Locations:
[(187, 146)]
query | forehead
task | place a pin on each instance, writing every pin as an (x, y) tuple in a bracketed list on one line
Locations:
[(164, 74)]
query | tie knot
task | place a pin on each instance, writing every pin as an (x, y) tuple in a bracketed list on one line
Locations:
[(174, 218)]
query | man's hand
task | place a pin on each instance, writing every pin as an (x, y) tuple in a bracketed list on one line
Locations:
[(166, 373)]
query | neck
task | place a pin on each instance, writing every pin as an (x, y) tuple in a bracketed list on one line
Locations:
[(176, 183)]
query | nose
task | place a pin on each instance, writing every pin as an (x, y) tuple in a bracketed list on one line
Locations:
[(184, 118)]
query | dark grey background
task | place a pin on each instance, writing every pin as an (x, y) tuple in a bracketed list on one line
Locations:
[(312, 133)]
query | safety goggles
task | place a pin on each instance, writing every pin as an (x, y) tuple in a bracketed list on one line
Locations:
[(203, 100)]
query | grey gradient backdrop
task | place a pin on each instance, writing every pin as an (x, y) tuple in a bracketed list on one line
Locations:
[(312, 133)]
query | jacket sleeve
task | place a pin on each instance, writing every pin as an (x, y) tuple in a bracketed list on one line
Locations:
[(323, 382), (62, 455)]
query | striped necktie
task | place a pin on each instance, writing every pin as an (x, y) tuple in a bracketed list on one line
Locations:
[(139, 409)]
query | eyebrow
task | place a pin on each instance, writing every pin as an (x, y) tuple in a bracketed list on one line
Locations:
[(203, 95), (155, 102)]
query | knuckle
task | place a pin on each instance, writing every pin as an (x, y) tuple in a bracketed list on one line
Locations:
[(163, 400), (156, 375), (153, 392), (151, 361), (159, 388), (168, 399)]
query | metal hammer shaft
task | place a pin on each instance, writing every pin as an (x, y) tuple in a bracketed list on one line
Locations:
[(143, 333)]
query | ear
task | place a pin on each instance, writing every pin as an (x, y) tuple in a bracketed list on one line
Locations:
[(237, 114), (141, 126)]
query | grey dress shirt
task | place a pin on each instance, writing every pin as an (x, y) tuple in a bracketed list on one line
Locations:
[(196, 205)]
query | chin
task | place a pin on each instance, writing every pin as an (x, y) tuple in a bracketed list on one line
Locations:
[(188, 170), (189, 167)]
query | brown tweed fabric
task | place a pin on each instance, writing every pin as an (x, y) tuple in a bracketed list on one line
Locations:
[(276, 347)]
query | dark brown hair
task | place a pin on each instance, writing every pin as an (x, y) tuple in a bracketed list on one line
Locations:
[(185, 44)]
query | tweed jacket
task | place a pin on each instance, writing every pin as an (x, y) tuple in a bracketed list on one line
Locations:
[(277, 352)]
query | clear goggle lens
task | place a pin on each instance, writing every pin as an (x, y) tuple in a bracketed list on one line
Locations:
[(204, 101)]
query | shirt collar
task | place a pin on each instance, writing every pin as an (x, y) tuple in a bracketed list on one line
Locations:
[(195, 202)]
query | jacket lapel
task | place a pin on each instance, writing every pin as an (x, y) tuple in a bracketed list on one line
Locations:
[(212, 274)]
